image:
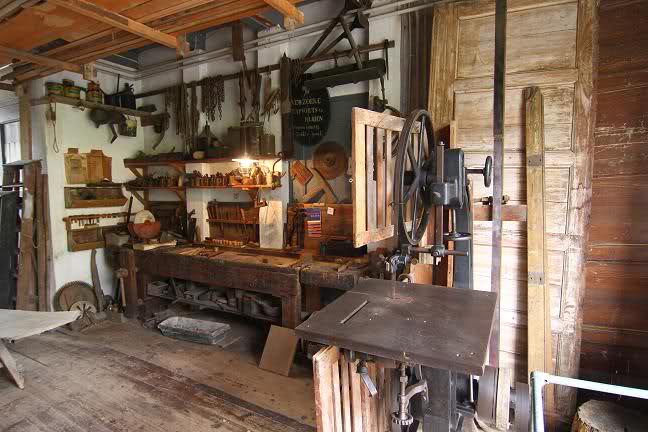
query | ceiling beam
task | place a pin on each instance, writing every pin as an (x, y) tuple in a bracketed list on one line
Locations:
[(114, 19), (105, 43), (41, 60), (8, 9), (7, 87), (287, 9)]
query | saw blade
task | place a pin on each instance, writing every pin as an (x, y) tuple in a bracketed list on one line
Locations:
[(331, 160)]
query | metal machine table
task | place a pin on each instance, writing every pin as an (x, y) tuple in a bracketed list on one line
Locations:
[(441, 328), (429, 325)]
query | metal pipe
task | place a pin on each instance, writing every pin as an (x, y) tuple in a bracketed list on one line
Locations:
[(274, 67), (499, 85), (278, 38), (540, 379)]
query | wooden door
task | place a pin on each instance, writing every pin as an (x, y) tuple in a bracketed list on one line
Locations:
[(550, 45)]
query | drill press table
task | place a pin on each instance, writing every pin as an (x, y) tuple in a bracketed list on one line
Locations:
[(437, 327), (444, 329)]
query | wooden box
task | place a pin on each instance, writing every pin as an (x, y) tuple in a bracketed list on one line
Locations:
[(88, 197), (336, 224)]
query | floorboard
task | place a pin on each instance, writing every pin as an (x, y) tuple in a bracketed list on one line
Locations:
[(122, 377)]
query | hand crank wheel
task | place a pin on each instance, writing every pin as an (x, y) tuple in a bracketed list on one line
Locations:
[(413, 161)]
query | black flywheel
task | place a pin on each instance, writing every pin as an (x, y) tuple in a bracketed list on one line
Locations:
[(415, 160)]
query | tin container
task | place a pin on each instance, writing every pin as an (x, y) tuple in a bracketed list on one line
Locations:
[(54, 89), (73, 92), (94, 96)]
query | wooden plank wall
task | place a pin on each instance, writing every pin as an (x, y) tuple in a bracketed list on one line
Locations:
[(615, 330), (550, 45)]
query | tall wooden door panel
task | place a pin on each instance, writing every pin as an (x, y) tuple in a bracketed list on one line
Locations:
[(549, 45)]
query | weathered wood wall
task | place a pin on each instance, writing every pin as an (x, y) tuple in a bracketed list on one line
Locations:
[(550, 45), (615, 330)]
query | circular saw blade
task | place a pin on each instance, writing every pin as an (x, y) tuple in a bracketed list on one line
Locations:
[(143, 216), (72, 293), (330, 160)]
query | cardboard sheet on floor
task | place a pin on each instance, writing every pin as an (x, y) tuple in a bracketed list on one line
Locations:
[(279, 350)]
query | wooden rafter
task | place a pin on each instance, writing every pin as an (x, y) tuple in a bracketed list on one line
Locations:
[(105, 42), (9, 8), (41, 60), (287, 9), (114, 19)]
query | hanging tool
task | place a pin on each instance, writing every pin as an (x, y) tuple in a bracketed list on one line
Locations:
[(120, 274), (321, 186), (96, 282)]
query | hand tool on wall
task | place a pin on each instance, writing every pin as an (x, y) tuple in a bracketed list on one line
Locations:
[(321, 186), (96, 282)]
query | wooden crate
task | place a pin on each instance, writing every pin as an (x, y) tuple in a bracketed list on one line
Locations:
[(342, 402), (337, 224)]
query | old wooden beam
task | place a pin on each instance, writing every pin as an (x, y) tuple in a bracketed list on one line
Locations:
[(287, 9), (8, 9), (114, 19), (510, 213), (24, 107), (39, 59), (539, 341)]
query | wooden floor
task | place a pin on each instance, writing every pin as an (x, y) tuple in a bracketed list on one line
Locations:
[(122, 377)]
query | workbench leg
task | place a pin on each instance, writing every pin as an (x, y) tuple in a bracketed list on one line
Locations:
[(291, 311), (127, 261), (8, 361), (143, 280), (440, 413), (312, 298)]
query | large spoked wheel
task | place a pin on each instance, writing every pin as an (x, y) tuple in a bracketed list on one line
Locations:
[(413, 159)]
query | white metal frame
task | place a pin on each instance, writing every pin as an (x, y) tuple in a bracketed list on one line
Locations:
[(540, 379)]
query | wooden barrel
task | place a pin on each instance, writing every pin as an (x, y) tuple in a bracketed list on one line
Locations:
[(602, 416)]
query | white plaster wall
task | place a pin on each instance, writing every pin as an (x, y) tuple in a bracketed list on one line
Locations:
[(273, 216), (8, 107), (75, 129)]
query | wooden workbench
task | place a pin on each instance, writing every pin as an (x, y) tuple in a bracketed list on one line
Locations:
[(283, 275)]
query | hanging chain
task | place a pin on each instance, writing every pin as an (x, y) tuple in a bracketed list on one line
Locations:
[(213, 96)]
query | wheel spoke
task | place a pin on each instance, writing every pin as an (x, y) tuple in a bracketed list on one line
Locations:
[(415, 208), (415, 166), (412, 188), (408, 194), (421, 138)]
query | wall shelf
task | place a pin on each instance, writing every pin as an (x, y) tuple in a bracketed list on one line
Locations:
[(217, 307), (170, 188), (144, 198), (233, 222), (141, 163), (87, 104), (244, 187)]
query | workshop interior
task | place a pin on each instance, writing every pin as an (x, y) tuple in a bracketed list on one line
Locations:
[(323, 215)]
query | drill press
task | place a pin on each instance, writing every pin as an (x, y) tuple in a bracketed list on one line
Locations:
[(437, 336)]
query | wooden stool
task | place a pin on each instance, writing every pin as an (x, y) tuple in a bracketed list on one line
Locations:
[(601, 416)]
